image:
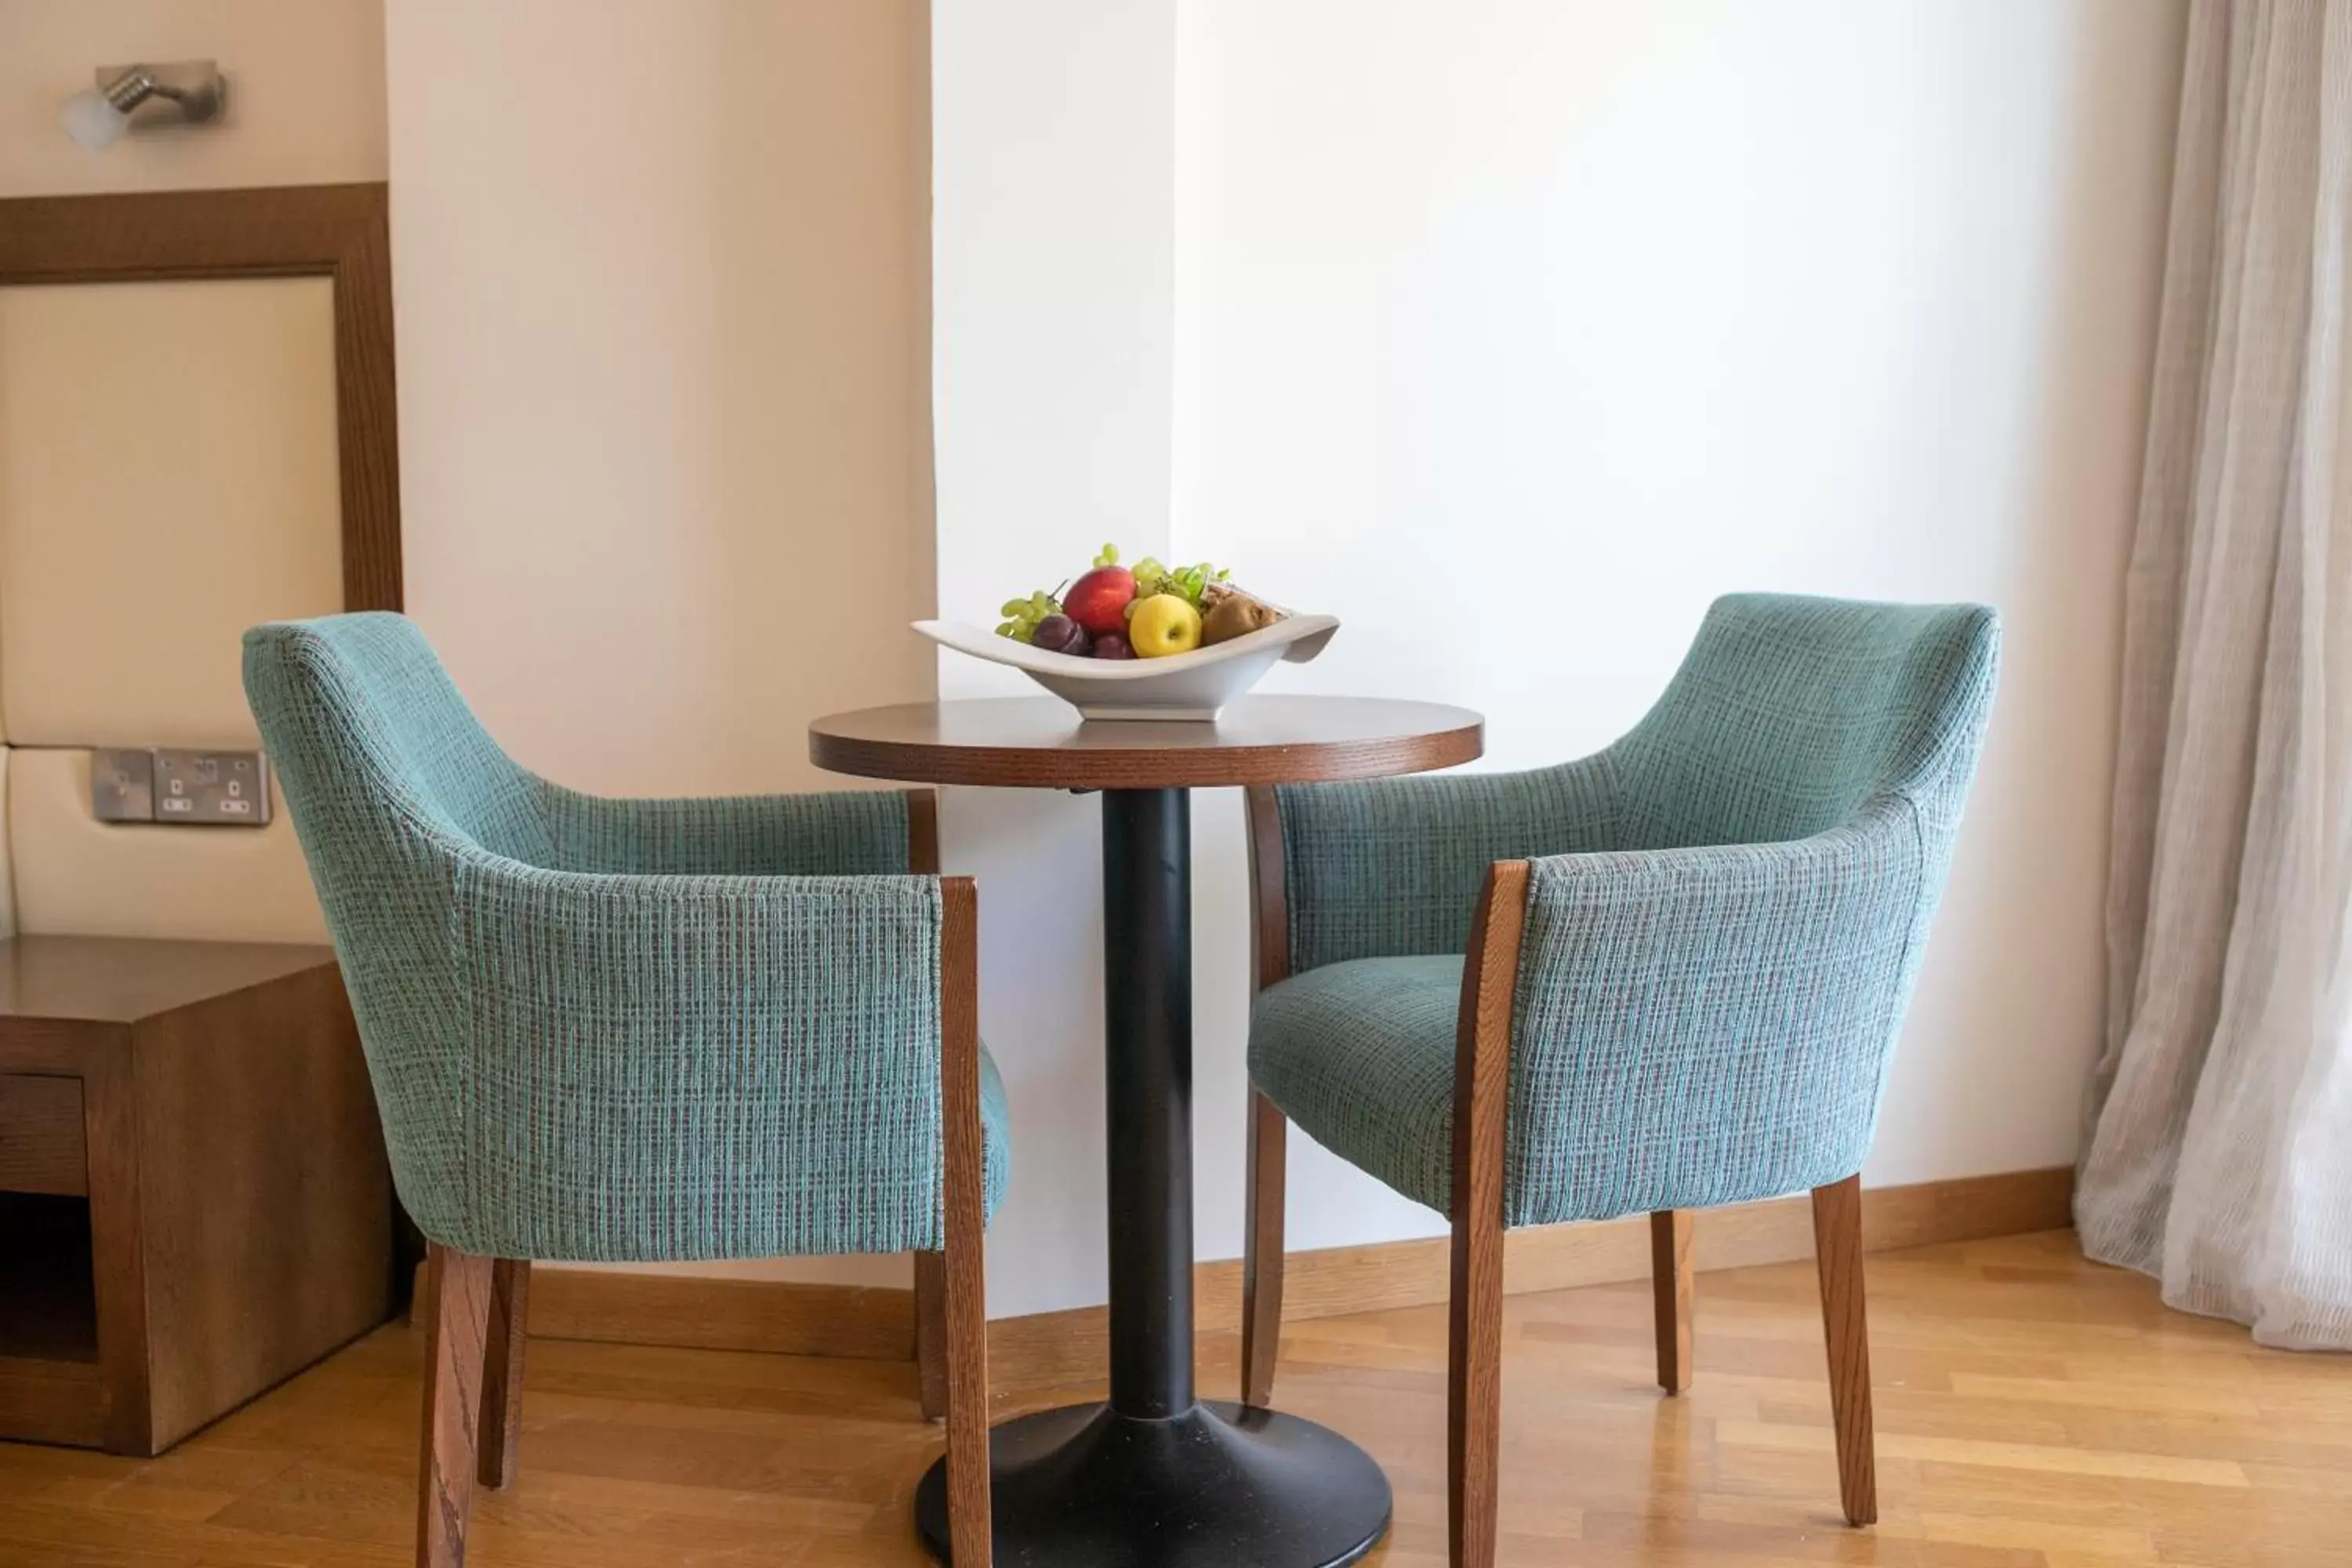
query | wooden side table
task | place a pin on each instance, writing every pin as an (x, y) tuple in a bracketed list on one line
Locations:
[(194, 1203), (1156, 1477)]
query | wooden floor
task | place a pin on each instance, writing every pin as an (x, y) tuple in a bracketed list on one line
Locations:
[(2033, 1411)]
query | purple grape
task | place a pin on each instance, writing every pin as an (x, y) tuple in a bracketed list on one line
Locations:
[(1059, 633), (1111, 645)]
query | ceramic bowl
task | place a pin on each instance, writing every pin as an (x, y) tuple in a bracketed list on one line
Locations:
[(1182, 686)]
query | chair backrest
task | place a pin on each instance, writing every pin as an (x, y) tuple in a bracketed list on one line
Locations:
[(1789, 715), (357, 710), (391, 781), (1725, 1016)]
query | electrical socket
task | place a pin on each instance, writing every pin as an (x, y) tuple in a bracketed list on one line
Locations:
[(180, 785), (221, 788)]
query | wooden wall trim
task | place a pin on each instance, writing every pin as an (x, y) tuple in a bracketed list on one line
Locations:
[(1055, 1347), (1051, 1349), (341, 232), (778, 1317)]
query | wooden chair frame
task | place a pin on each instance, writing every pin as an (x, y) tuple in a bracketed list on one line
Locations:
[(1481, 1128), (475, 1310)]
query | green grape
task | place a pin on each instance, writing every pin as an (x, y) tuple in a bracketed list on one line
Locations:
[(1022, 615), (1109, 556), (1188, 583)]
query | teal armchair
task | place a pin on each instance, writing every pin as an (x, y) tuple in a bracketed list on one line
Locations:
[(1664, 977), (633, 1031)]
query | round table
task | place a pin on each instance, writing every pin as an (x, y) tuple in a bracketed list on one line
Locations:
[(1156, 1478)]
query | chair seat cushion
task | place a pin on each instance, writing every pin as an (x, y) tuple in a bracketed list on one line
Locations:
[(995, 1132), (1361, 1055)]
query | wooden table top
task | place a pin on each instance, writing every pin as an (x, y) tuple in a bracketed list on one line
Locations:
[(121, 980), (1040, 743)]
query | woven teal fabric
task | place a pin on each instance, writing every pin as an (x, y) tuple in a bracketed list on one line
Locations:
[(1726, 915), (604, 1029), (1361, 1052)]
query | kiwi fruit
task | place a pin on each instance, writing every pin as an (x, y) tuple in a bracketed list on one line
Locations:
[(1235, 613)]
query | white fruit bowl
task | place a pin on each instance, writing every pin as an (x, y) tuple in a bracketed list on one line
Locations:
[(1191, 686)]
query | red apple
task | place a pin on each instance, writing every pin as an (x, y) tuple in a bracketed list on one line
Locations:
[(1098, 600)]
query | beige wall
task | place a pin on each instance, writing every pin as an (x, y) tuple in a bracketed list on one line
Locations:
[(661, 274), (306, 92), (146, 520), (664, 354), (228, 384)]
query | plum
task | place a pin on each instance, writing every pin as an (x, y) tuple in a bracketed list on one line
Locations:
[(1111, 645), (1059, 633)]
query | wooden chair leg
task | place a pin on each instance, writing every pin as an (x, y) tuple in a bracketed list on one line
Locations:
[(969, 1510), (1262, 1252), (1474, 1388), (931, 1332), (458, 1308), (1482, 1093), (1837, 1248), (930, 1268), (1672, 1281), (502, 1359)]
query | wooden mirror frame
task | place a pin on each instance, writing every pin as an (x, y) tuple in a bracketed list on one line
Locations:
[(340, 232)]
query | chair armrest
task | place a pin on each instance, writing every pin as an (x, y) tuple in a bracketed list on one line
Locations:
[(1708, 1025), (844, 833), (660, 1067), (1392, 867)]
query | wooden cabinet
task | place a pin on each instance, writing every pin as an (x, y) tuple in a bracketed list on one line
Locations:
[(193, 1199), (42, 1147)]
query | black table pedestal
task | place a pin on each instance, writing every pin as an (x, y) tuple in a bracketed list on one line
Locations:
[(1217, 1487), (1154, 1479)]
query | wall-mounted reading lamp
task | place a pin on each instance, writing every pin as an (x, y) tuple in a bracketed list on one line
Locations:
[(183, 92)]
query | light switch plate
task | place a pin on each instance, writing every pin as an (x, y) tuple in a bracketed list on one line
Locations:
[(228, 789), (122, 785)]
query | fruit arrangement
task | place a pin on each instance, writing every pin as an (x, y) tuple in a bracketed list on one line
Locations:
[(1149, 611)]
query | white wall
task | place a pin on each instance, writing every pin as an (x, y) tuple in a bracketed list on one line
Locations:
[(1054, 254), (306, 92), (1515, 331)]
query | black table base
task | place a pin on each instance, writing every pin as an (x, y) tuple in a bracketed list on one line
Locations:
[(1154, 1479), (1218, 1487)]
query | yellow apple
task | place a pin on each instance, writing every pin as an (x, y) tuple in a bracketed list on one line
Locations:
[(1161, 625)]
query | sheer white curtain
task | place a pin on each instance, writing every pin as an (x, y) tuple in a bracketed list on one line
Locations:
[(2219, 1150)]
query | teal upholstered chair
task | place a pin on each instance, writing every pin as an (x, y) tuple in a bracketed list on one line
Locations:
[(631, 1031), (1687, 959)]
